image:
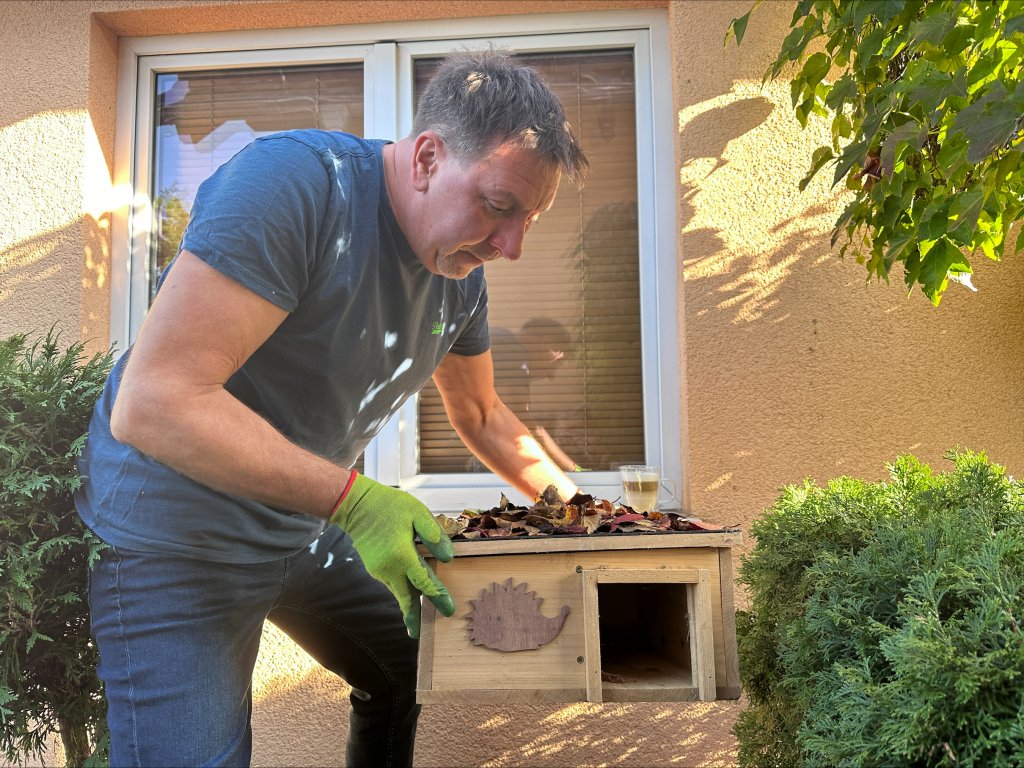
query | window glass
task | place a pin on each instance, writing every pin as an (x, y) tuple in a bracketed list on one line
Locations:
[(565, 318), (203, 118)]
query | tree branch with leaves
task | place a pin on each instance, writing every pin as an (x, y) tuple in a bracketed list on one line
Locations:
[(926, 102)]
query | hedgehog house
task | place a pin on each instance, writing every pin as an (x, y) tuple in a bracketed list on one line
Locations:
[(644, 617)]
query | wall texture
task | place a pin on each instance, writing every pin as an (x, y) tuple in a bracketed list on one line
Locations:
[(792, 367)]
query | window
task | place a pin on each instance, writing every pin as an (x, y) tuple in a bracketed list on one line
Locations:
[(583, 326)]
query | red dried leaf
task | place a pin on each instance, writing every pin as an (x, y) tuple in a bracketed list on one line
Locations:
[(629, 517)]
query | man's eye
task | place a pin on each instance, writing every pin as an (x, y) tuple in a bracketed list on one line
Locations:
[(494, 207)]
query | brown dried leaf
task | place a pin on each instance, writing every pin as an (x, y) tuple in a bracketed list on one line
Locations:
[(450, 525), (551, 497), (591, 521)]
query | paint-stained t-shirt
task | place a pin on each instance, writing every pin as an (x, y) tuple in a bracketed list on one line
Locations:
[(302, 219)]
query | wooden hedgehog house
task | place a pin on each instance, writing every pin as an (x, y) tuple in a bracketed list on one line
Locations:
[(600, 617)]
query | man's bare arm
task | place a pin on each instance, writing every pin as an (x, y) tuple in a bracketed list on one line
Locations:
[(491, 431), (172, 404)]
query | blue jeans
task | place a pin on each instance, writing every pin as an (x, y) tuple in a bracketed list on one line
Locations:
[(178, 640)]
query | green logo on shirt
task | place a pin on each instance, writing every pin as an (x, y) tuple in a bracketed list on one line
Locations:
[(437, 330)]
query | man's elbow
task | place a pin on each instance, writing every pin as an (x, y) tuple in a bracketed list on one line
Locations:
[(133, 418)]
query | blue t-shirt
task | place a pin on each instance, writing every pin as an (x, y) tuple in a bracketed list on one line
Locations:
[(301, 218)]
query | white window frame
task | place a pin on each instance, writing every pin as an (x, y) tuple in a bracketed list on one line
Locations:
[(387, 52)]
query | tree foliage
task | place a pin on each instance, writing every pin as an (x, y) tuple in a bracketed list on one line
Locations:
[(48, 681), (926, 102), (885, 625)]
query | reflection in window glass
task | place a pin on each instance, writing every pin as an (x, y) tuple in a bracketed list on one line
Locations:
[(565, 318), (203, 118)]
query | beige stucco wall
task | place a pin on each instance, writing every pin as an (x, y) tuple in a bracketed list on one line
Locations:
[(792, 366), (795, 366)]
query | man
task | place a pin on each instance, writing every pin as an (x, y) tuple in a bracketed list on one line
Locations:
[(321, 281)]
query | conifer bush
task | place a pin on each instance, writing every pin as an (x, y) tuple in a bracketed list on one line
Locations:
[(48, 682), (886, 622)]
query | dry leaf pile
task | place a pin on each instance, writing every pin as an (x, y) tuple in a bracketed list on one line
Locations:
[(550, 516)]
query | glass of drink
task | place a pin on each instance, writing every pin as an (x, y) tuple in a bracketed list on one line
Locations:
[(641, 484)]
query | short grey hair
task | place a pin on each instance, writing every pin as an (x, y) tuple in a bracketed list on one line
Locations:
[(477, 97)]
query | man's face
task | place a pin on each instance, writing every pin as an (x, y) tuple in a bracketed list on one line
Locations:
[(480, 211)]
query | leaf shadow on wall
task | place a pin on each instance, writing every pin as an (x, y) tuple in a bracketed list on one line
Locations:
[(709, 134), (740, 264), (578, 734), (748, 283), (38, 284), (300, 718)]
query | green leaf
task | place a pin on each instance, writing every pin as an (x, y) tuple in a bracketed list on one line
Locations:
[(821, 156), (912, 267), (898, 244), (936, 220), (884, 10), (952, 156), (988, 123), (791, 45), (34, 638), (959, 38), (815, 68), (965, 209), (982, 69), (853, 154), (738, 27), (843, 90), (802, 9), (1014, 26), (843, 219), (930, 87), (933, 26), (936, 266), (911, 132), (869, 46)]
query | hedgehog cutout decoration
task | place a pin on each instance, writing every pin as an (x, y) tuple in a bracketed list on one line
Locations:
[(508, 618)]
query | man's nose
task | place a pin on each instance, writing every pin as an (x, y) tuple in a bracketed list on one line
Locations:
[(509, 240)]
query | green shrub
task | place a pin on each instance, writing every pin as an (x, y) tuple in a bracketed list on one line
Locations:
[(48, 681), (885, 622)]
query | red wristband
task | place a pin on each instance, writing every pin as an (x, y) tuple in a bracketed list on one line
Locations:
[(344, 493)]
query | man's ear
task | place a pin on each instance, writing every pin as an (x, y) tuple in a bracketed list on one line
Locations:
[(428, 151)]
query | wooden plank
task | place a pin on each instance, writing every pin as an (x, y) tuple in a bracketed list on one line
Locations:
[(637, 695), (645, 575), (703, 637), (425, 664), (591, 636), (594, 543), (725, 585), (504, 696), (691, 628)]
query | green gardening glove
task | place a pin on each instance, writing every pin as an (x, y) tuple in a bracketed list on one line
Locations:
[(383, 523)]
